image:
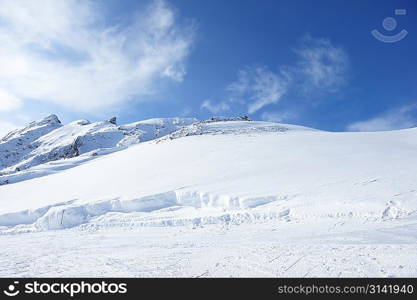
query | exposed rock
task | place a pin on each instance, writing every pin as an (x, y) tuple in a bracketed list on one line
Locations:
[(222, 119), (113, 120), (48, 140)]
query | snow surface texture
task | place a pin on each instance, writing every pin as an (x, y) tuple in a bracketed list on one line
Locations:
[(48, 140), (222, 197)]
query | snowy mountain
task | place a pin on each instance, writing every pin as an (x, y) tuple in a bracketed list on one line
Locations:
[(147, 130), (48, 140), (260, 198), (19, 143)]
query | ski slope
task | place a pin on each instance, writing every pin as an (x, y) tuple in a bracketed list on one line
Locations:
[(221, 198)]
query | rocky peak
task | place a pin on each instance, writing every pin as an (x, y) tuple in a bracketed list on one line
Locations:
[(51, 119), (113, 120)]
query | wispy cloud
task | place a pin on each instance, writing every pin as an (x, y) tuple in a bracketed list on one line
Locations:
[(67, 53), (8, 101), (400, 118), (320, 67), (258, 87), (215, 108)]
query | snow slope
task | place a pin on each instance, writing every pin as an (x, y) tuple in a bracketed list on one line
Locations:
[(48, 140), (232, 165), (19, 143), (153, 128), (263, 185)]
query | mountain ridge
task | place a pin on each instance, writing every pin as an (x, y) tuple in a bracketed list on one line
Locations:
[(49, 140)]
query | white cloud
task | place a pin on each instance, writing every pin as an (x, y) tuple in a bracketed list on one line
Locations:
[(65, 52), (403, 117), (8, 101), (215, 108), (322, 65), (258, 87)]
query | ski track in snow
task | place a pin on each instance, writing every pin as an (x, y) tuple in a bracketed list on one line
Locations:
[(209, 251)]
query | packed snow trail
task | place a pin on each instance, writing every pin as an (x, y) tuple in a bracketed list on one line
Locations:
[(268, 249)]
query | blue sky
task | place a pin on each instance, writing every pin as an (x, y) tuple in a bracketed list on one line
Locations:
[(313, 63)]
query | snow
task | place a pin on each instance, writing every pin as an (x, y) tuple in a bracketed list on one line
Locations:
[(267, 249), (154, 128), (223, 197), (18, 143), (48, 140)]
